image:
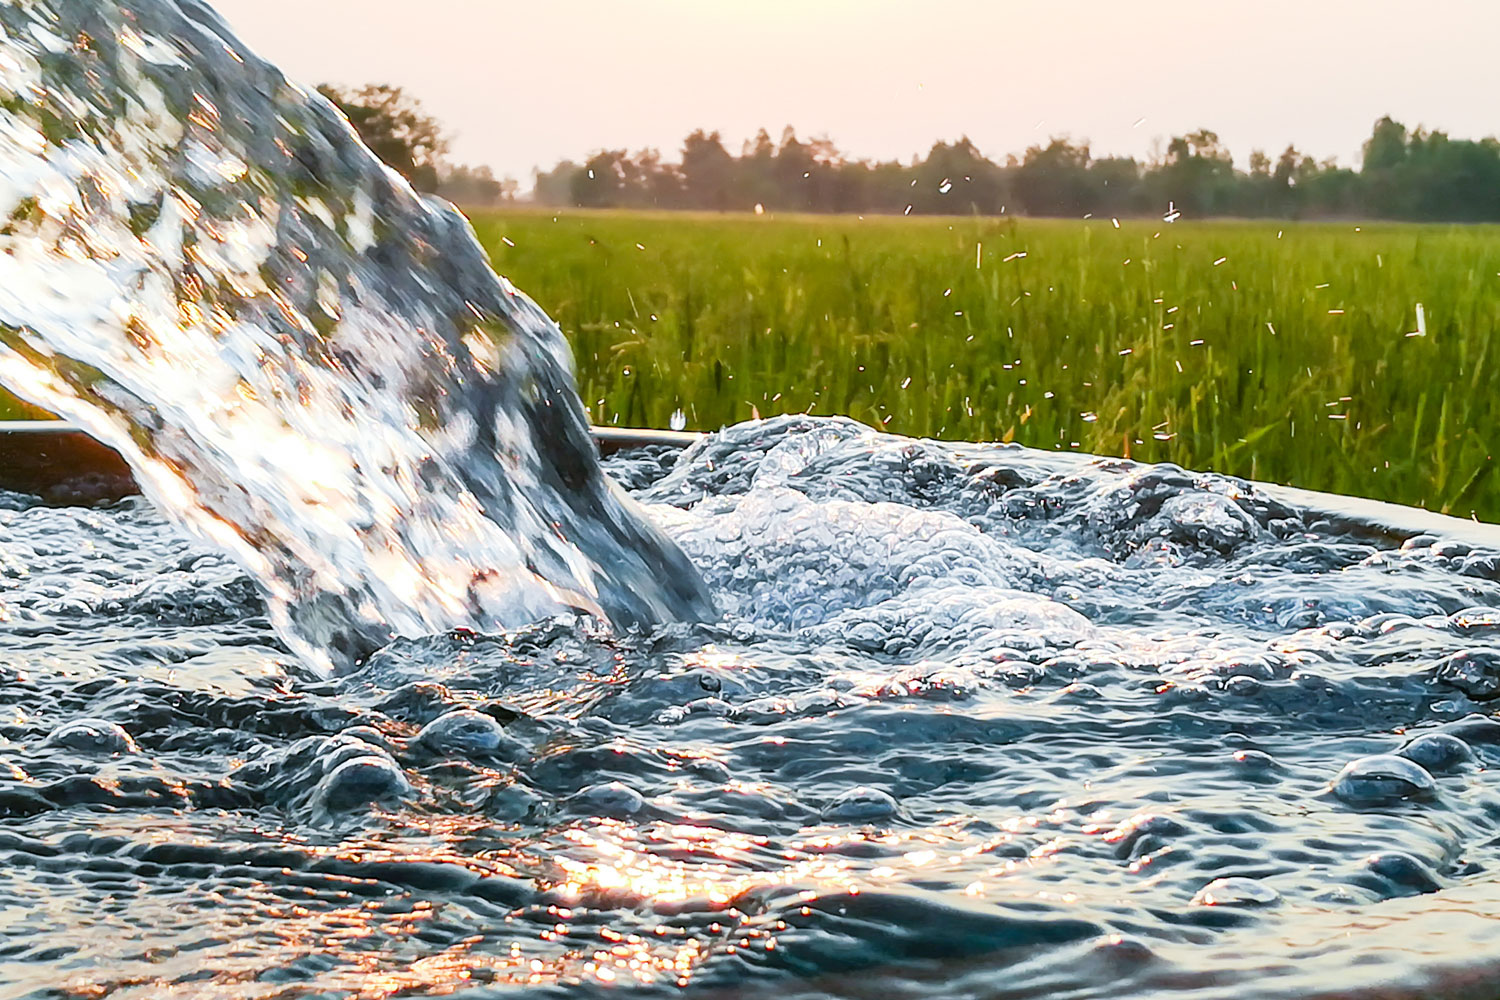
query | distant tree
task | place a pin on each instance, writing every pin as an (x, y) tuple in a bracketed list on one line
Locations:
[(1327, 190), (606, 180), (1116, 181), (956, 178), (793, 172), (1449, 180), (886, 187), (1290, 164), (1386, 147), (1385, 170), (708, 172), (1054, 179), (475, 186), (756, 182), (555, 186), (660, 182), (396, 129), (1257, 193), (1198, 176), (1281, 198)]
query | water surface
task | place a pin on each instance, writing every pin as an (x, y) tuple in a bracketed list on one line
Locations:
[(972, 721), (386, 690)]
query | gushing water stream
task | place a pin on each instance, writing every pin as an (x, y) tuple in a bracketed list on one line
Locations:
[(901, 718), (307, 364)]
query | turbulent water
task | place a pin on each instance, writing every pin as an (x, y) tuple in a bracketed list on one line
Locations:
[(305, 363), (933, 720), (973, 721)]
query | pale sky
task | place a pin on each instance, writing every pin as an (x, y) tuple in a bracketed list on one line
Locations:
[(522, 84)]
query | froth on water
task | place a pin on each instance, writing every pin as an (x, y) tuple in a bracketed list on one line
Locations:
[(971, 721)]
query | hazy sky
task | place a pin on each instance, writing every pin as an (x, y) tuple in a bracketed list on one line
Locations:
[(524, 84)]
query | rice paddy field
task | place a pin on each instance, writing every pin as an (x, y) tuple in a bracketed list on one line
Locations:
[(1351, 358), (1343, 357)]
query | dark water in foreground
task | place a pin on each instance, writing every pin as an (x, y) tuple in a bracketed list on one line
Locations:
[(970, 724)]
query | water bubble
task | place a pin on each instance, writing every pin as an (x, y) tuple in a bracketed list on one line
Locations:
[(1079, 691), (861, 804), (1402, 874), (1438, 752), (709, 769), (678, 420), (1475, 729), (1382, 779), (614, 799), (1242, 686), (1144, 833), (361, 781), (1255, 761), (1236, 892), (93, 736), (1345, 895), (513, 803), (464, 733)]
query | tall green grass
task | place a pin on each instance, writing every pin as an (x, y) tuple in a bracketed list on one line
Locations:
[(1277, 352)]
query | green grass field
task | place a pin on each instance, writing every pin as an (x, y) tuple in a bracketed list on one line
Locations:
[(1277, 352)]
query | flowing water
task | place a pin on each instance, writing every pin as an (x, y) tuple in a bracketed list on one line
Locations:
[(816, 711), (306, 363)]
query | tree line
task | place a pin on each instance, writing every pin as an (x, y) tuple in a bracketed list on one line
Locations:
[(1405, 174), (1413, 174)]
